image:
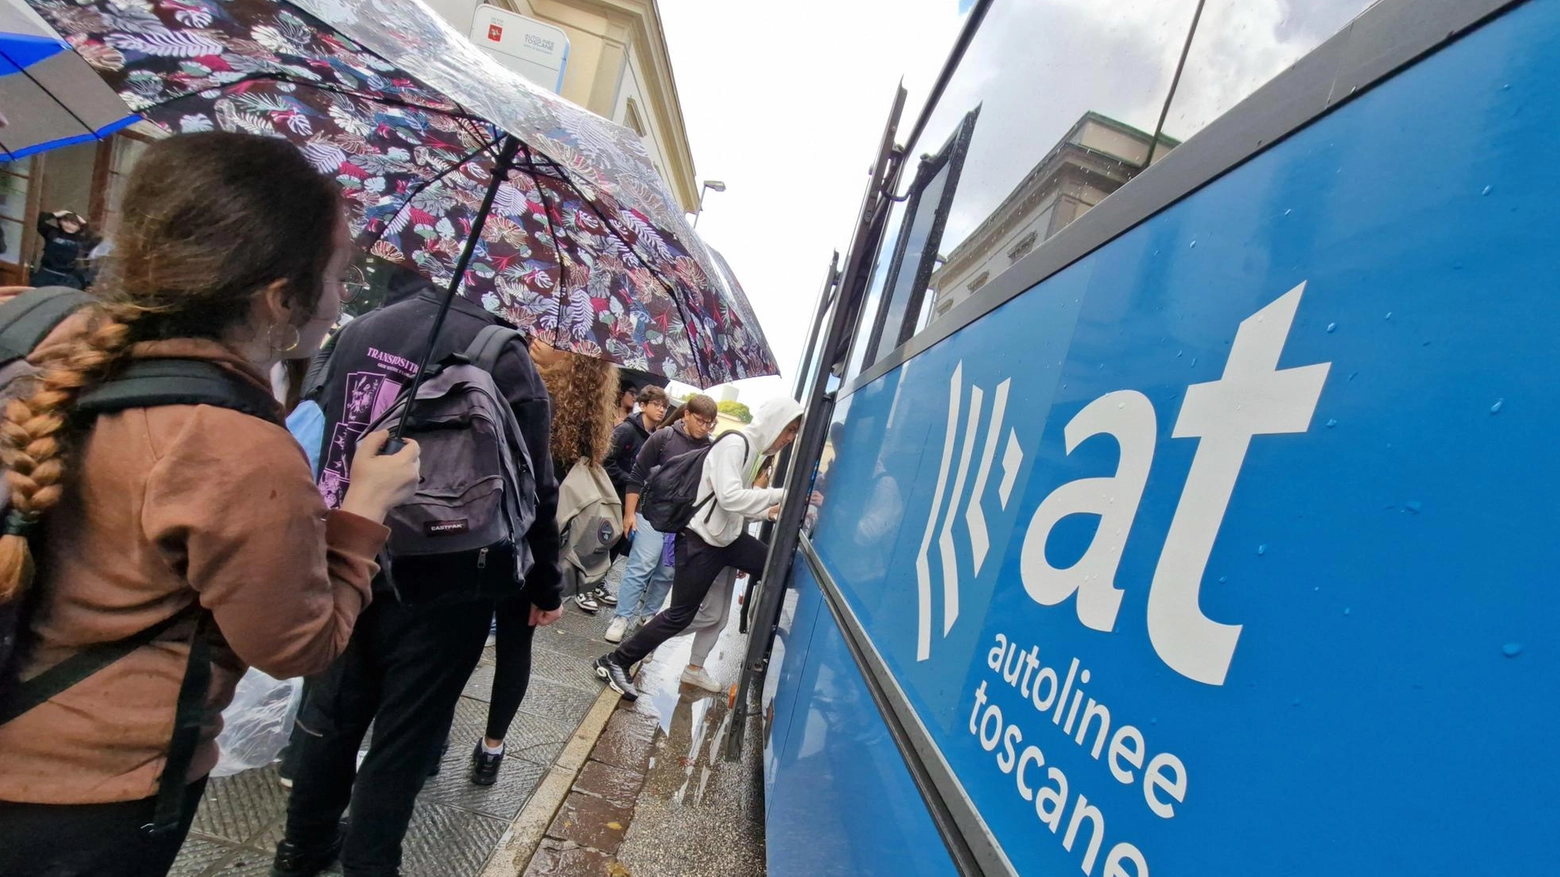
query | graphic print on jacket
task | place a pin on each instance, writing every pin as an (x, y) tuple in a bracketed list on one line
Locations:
[(369, 395)]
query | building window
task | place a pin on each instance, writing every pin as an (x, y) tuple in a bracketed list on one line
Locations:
[(980, 281), (1022, 248), (631, 118)]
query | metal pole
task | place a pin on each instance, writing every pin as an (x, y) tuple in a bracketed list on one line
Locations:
[(506, 158), (1174, 81)]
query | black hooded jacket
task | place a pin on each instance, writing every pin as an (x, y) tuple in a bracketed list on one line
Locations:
[(378, 352), (627, 438)]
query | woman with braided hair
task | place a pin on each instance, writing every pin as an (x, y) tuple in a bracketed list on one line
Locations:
[(199, 522)]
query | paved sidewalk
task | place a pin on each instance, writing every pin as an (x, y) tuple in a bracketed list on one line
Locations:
[(656, 798), (456, 825)]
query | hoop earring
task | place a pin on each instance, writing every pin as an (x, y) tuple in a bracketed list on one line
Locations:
[(296, 339)]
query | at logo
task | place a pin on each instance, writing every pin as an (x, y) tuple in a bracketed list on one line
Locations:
[(974, 515), (1253, 397)]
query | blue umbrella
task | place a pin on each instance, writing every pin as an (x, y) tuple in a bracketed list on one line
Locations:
[(49, 96)]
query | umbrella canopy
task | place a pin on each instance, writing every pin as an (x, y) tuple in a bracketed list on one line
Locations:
[(50, 97), (583, 246)]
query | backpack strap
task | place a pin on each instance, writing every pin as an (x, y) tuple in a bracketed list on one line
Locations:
[(711, 498), (150, 383), (147, 384), (29, 317), (319, 369), (490, 342), (36, 691), (189, 715)]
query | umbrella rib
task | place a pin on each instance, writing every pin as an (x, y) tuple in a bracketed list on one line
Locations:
[(671, 290), (421, 187), (52, 96), (541, 192), (562, 176), (462, 114)]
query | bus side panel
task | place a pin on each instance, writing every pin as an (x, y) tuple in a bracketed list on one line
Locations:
[(1231, 548), (841, 801), (787, 662)]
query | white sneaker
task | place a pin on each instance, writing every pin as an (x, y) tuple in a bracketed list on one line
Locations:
[(617, 629), (700, 679)]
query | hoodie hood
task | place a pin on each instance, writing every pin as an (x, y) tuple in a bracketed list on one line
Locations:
[(769, 420)]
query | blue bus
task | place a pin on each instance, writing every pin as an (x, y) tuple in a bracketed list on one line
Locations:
[(1189, 506)]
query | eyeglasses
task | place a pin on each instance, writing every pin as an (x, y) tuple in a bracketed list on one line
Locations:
[(707, 421), (352, 284)]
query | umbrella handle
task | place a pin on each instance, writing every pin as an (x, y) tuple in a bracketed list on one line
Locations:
[(393, 445)]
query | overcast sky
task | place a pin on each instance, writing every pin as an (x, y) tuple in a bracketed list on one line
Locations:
[(785, 103)]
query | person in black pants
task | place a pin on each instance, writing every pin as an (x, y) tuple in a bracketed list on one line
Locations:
[(584, 393), (717, 536), (407, 662)]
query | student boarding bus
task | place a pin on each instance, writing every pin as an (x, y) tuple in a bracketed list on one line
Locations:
[(1188, 465)]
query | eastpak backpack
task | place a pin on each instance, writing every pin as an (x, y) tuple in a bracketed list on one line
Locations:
[(463, 534)]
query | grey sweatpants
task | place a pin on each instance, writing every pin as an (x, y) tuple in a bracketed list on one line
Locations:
[(712, 616)]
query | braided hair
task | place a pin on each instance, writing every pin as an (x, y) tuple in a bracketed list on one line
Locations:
[(208, 222)]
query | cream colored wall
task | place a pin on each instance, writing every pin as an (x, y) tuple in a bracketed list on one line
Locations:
[(633, 90), (604, 72)]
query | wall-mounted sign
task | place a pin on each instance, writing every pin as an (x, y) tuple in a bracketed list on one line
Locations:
[(534, 49)]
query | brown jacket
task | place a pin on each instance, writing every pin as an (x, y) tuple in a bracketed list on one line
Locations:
[(164, 506)]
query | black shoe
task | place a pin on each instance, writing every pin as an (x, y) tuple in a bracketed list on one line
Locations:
[(604, 596), (295, 861), (587, 602), (616, 677), (484, 766)]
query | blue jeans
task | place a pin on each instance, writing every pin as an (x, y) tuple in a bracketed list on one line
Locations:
[(646, 577)]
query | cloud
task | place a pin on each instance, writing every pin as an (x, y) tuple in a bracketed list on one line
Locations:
[(786, 104)]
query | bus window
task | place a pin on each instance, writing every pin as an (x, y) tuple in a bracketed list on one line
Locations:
[(1065, 121), (916, 253), (866, 321), (1240, 45)]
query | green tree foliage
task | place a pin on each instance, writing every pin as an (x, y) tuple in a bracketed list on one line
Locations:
[(737, 410)]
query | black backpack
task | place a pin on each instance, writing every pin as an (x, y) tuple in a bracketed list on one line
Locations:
[(671, 495), (24, 322)]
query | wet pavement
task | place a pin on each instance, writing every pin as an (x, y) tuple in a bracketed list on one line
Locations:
[(656, 797), (456, 825)]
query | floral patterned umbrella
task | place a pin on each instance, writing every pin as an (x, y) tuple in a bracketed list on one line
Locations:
[(581, 244)]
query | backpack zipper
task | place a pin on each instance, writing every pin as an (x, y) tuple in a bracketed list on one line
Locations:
[(482, 559)]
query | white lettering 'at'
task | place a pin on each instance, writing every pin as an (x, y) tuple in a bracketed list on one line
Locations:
[(1129, 416), (1253, 397)]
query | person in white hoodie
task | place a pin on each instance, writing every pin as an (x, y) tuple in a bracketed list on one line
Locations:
[(717, 536)]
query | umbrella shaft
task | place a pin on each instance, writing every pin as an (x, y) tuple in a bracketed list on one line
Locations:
[(506, 159)]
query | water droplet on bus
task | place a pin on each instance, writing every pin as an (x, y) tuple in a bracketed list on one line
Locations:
[(1487, 190), (1499, 404), (1511, 650), (1193, 245), (1262, 549), (1332, 327), (1346, 610)]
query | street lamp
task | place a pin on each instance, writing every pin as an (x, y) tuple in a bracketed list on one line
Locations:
[(714, 185)]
